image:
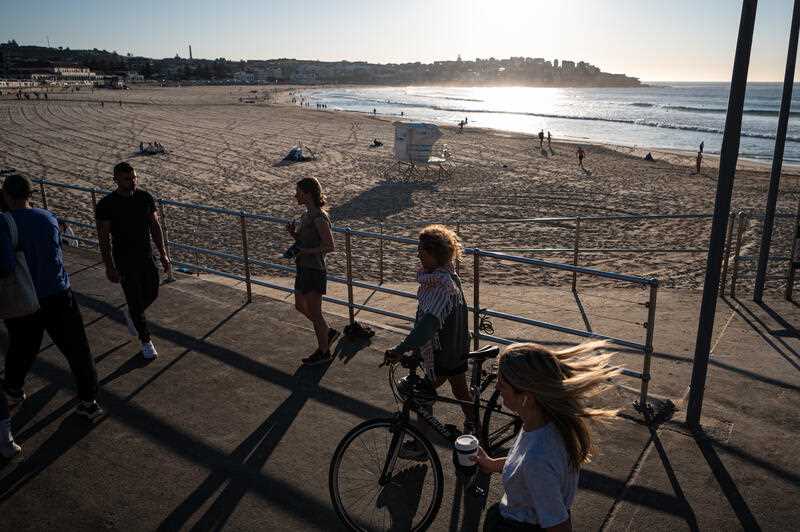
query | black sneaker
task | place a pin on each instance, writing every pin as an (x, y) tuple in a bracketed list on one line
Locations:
[(89, 410), (14, 396), (318, 357)]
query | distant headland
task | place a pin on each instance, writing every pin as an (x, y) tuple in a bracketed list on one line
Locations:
[(49, 64)]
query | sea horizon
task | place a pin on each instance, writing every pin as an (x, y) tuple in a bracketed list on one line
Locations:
[(671, 116)]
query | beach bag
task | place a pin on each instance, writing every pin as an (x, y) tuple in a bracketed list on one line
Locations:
[(17, 293)]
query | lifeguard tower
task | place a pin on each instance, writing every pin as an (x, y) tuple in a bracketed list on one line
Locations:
[(414, 148)]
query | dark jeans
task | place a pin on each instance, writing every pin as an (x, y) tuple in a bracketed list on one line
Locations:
[(140, 282), (495, 522), (60, 316)]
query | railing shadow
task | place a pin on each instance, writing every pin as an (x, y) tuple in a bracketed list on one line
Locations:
[(754, 321), (251, 454), (726, 482)]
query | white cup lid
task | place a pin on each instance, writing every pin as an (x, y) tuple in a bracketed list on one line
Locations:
[(466, 442)]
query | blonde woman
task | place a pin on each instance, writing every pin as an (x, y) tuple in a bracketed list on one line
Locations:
[(440, 332), (547, 389), (313, 240)]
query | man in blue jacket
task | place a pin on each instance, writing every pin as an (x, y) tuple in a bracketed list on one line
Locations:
[(58, 314)]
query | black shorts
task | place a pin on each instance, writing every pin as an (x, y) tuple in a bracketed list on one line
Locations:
[(449, 366), (310, 280)]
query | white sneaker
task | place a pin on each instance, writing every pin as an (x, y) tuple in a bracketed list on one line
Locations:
[(149, 351), (129, 322), (9, 449)]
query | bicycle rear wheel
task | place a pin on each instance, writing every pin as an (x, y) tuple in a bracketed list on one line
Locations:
[(410, 498), (500, 426)]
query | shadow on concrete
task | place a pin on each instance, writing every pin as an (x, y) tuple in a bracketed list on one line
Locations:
[(792, 357), (788, 328), (680, 506), (382, 200), (70, 432), (250, 455), (726, 482), (243, 363)]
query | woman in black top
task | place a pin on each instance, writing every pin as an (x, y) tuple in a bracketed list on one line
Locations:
[(313, 239)]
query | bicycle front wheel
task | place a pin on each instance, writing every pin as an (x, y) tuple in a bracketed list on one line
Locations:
[(500, 426), (385, 476)]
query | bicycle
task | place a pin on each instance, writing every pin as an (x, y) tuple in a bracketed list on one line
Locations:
[(386, 469)]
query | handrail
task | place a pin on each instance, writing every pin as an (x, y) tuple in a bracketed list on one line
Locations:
[(349, 233)]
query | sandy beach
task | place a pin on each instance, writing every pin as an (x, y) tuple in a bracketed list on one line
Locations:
[(228, 154)]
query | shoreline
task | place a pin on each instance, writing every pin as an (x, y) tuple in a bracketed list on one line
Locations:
[(675, 155)]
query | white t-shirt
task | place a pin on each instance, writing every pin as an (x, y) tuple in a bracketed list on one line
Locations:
[(539, 481)]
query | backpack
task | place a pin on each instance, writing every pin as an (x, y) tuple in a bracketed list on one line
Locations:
[(17, 293)]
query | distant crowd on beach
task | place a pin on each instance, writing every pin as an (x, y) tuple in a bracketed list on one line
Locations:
[(151, 148)]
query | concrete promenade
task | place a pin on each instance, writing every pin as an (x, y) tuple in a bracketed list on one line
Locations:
[(226, 430)]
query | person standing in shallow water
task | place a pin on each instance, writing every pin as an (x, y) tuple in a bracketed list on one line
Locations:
[(314, 240)]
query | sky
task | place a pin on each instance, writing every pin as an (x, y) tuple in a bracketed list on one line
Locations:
[(654, 40)]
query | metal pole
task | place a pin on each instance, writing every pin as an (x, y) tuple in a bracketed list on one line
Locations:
[(243, 223), (164, 231), (794, 260), (44, 195), (575, 257), (722, 206), (726, 260), (94, 210), (349, 275), (777, 158), (648, 347), (476, 298), (380, 257), (743, 223), (458, 262)]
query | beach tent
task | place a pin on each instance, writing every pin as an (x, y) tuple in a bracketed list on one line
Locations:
[(413, 142)]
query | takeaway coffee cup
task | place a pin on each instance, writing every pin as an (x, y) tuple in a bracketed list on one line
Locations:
[(466, 448)]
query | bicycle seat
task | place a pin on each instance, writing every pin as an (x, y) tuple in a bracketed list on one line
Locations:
[(484, 353)]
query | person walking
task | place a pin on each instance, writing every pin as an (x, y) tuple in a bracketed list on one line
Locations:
[(541, 139), (702, 145), (441, 327), (313, 240), (38, 237), (127, 219), (698, 161), (548, 138), (581, 155), (548, 390)]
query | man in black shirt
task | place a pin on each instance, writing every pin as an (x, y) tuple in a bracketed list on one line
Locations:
[(129, 216)]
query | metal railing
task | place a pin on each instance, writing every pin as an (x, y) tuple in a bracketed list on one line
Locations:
[(478, 257)]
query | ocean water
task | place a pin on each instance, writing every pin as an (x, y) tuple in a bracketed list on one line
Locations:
[(662, 116)]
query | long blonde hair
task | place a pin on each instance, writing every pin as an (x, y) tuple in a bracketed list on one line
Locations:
[(560, 381)]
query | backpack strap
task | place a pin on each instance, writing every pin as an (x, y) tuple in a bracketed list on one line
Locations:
[(12, 230)]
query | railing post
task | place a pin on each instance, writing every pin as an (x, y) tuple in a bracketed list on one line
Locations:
[(380, 257), (94, 210), (243, 223), (349, 275), (44, 194), (739, 237), (727, 257), (575, 256), (476, 298), (458, 262), (648, 347)]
